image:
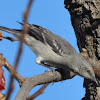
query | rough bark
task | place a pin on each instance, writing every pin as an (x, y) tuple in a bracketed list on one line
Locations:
[(85, 17)]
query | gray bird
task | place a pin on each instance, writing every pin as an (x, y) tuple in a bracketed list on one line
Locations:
[(54, 51)]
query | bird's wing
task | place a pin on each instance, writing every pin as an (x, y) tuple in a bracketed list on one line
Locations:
[(55, 42)]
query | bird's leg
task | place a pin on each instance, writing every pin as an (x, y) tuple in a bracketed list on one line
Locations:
[(41, 61)]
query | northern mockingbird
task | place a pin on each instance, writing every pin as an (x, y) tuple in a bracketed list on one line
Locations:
[(54, 51)]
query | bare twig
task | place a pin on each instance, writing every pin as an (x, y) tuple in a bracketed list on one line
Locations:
[(40, 91), (20, 49), (0, 36), (6, 37), (9, 38), (4, 62)]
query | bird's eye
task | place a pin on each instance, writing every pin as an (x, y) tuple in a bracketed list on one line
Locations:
[(87, 70)]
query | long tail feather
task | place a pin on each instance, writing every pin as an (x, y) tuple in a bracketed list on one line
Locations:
[(12, 31)]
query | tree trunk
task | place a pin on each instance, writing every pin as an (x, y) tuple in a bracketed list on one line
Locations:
[(85, 17)]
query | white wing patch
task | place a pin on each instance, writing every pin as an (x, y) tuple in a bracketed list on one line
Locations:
[(53, 44)]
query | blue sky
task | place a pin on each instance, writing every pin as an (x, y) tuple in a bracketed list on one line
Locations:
[(49, 14)]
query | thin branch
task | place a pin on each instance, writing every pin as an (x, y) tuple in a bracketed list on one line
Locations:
[(5, 63), (40, 91), (9, 38), (6, 37), (0, 36), (20, 48)]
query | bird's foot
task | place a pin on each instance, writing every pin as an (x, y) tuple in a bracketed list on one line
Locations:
[(41, 61)]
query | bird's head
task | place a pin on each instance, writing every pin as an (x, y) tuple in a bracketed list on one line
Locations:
[(84, 68)]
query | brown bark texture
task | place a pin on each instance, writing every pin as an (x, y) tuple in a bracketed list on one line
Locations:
[(85, 17)]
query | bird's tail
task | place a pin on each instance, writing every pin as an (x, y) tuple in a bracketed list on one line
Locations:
[(12, 31)]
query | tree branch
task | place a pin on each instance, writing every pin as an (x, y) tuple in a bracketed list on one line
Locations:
[(47, 77), (40, 91), (5, 63), (9, 38)]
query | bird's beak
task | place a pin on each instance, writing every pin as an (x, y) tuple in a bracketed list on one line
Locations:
[(96, 82)]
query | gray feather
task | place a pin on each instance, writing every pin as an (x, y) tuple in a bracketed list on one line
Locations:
[(52, 40)]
